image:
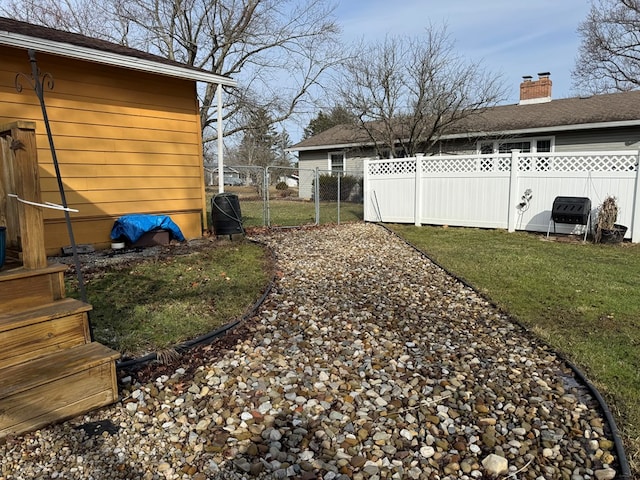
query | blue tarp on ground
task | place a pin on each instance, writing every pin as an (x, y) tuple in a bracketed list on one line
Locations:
[(132, 227)]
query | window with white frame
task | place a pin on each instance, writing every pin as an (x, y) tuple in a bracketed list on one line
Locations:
[(336, 161), (544, 145), (525, 145)]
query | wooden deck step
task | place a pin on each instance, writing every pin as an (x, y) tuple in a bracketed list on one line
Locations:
[(22, 288), (42, 313), (56, 387), (38, 331)]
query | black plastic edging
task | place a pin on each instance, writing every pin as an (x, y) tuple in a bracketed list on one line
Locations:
[(207, 337), (625, 471)]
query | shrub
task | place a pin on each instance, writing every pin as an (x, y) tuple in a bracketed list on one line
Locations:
[(282, 186), (350, 188)]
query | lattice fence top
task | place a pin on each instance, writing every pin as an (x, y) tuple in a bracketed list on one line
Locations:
[(396, 166), (593, 162), (463, 164), (548, 162)]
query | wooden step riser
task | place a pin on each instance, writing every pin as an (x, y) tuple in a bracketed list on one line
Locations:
[(18, 293), (32, 341), (58, 400)]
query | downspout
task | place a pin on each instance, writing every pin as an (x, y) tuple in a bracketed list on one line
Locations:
[(220, 141)]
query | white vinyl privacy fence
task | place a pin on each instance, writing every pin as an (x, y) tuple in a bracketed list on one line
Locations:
[(487, 190)]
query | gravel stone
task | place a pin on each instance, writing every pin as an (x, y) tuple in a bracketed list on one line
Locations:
[(365, 361), (495, 465)]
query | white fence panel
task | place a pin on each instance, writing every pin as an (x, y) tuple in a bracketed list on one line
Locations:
[(594, 176), (390, 190), (463, 191), (485, 191)]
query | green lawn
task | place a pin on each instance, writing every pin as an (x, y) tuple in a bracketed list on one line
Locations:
[(581, 298), (148, 305)]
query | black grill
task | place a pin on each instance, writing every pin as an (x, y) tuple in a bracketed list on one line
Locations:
[(574, 210)]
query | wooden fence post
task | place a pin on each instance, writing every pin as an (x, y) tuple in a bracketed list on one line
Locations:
[(21, 140), (513, 185), (417, 208)]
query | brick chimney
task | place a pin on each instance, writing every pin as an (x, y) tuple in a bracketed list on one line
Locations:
[(538, 91)]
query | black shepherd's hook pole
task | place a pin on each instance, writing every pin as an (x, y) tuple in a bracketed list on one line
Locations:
[(39, 89)]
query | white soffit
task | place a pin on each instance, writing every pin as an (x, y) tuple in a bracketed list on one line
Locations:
[(110, 58)]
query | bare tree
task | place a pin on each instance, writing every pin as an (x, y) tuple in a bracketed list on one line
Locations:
[(277, 50), (92, 19), (609, 55), (407, 91)]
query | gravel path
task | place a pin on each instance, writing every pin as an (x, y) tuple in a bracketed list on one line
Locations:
[(365, 362)]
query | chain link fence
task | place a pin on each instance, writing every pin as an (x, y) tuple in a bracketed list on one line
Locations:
[(290, 197), (340, 196)]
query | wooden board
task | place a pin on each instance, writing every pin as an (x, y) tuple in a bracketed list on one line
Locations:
[(42, 313), (58, 400), (45, 370), (21, 288), (38, 332)]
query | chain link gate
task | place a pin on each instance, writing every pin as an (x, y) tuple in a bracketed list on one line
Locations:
[(340, 196), (290, 203), (290, 197)]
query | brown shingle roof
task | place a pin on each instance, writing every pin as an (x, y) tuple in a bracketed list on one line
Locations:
[(17, 27), (557, 114)]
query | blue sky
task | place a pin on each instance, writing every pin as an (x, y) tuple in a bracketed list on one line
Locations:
[(511, 37)]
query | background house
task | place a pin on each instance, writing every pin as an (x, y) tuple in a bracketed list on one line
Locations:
[(291, 180), (126, 127), (536, 124)]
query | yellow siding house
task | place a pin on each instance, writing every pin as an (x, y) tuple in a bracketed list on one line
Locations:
[(125, 124)]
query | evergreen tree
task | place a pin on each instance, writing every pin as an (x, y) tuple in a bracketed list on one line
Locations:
[(283, 141), (337, 116), (259, 140)]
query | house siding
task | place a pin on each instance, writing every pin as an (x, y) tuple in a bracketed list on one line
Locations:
[(627, 138), (591, 140), (309, 161), (126, 141), (314, 159)]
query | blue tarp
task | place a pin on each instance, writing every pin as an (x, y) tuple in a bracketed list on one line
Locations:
[(132, 227)]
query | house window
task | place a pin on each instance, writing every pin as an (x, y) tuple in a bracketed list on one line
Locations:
[(543, 145), (336, 162), (525, 145), (506, 147), (486, 148)]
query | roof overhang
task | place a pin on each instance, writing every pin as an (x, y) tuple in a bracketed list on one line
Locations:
[(336, 146), (532, 131), (109, 58), (487, 134)]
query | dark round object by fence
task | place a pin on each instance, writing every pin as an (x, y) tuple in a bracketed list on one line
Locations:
[(3, 243), (615, 235), (226, 217)]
